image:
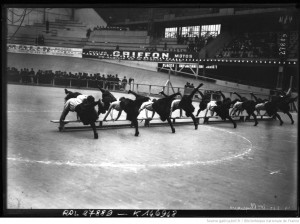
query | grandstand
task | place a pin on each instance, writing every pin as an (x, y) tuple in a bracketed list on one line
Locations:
[(229, 34)]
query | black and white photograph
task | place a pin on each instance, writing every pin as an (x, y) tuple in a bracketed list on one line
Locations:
[(132, 110)]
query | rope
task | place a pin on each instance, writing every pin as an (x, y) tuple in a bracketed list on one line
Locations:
[(22, 14)]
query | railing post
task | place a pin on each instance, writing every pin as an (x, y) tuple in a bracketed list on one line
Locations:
[(149, 89), (137, 88)]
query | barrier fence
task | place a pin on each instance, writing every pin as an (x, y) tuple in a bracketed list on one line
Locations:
[(145, 89)]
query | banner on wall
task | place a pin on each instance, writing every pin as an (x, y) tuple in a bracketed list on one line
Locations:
[(154, 56), (44, 50), (192, 66)]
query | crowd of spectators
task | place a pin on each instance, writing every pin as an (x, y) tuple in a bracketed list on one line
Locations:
[(251, 45), (109, 81), (194, 43)]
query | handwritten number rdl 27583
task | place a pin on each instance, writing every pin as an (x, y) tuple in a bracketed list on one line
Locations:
[(113, 213)]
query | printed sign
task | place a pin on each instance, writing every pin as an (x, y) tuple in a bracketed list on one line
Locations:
[(158, 56), (44, 50), (187, 66), (283, 40)]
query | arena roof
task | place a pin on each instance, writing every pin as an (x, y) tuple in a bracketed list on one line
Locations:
[(142, 15)]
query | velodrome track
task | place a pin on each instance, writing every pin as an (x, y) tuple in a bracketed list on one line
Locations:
[(214, 167)]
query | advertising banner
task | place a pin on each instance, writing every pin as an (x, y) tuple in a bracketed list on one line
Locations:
[(155, 56), (186, 66), (44, 50)]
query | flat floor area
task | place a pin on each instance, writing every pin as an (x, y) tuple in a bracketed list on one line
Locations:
[(214, 167)]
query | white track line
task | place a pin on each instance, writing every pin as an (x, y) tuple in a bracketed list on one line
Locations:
[(135, 167)]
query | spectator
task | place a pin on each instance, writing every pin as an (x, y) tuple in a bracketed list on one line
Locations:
[(88, 32), (107, 83), (124, 83), (179, 39), (32, 75), (117, 82), (165, 46), (196, 39), (131, 80), (102, 81), (39, 39), (42, 39), (186, 39)]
